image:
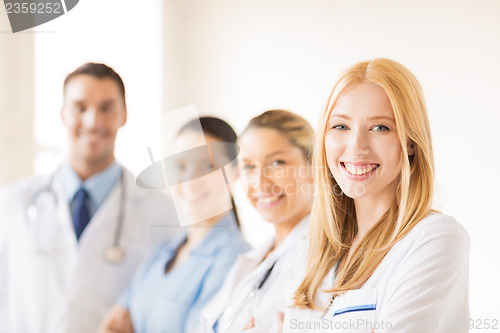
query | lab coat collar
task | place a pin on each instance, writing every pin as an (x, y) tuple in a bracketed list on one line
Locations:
[(252, 263), (101, 184), (69, 180), (298, 233), (98, 185), (132, 190)]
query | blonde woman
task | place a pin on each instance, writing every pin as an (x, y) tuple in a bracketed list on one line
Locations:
[(276, 148), (380, 259)]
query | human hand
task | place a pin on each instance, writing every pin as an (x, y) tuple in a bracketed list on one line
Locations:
[(117, 320), (251, 324), (281, 318)]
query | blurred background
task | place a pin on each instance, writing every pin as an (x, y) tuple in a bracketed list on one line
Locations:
[(238, 58)]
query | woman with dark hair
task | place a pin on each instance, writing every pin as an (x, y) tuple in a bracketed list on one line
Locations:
[(173, 285)]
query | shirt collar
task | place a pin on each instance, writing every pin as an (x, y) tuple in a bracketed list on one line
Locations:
[(298, 233), (98, 186), (217, 237), (172, 246)]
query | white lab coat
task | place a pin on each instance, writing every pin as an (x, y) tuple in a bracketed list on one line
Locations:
[(248, 270), (72, 288), (422, 285)]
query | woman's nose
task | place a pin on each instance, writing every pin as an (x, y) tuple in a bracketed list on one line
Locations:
[(358, 143), (260, 180)]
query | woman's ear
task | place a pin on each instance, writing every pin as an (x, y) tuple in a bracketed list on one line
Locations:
[(410, 148)]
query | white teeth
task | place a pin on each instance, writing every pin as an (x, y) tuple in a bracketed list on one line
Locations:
[(359, 170), (268, 200)]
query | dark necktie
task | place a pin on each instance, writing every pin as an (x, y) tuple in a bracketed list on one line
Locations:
[(80, 211)]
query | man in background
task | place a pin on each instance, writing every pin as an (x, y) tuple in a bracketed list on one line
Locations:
[(71, 241)]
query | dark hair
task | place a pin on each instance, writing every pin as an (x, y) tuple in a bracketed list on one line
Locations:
[(221, 130), (99, 71), (215, 127)]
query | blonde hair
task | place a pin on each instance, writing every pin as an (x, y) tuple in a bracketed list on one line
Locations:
[(295, 128), (333, 220)]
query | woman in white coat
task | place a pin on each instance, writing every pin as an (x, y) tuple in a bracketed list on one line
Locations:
[(380, 259), (276, 148)]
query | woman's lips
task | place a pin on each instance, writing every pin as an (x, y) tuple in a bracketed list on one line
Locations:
[(359, 171), (194, 200), (268, 201)]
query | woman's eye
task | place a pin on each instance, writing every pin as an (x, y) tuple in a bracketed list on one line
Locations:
[(277, 163), (380, 128), (180, 167), (248, 167), (340, 127)]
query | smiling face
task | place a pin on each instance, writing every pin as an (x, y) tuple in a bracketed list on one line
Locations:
[(278, 177), (362, 147), (201, 192), (93, 112)]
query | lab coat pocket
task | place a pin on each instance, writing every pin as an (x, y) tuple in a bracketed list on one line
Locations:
[(354, 311), (114, 278)]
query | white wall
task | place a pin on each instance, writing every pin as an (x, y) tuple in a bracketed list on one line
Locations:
[(16, 103), (124, 35), (237, 58), (243, 57)]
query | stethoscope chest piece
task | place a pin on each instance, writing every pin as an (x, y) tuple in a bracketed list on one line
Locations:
[(32, 212), (114, 254)]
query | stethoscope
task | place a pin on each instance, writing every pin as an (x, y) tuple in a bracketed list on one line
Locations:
[(244, 303), (113, 254), (332, 298)]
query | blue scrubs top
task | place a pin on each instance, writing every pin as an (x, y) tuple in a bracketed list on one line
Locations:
[(172, 302)]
